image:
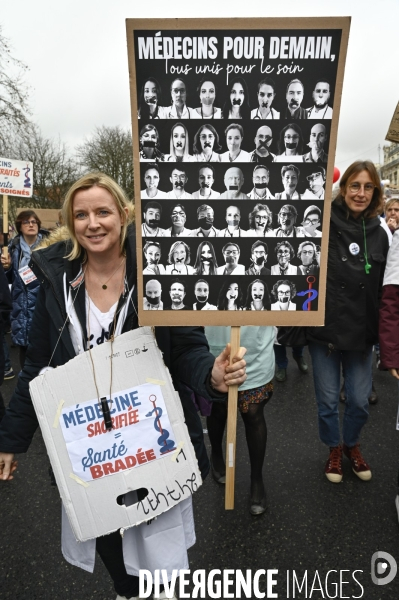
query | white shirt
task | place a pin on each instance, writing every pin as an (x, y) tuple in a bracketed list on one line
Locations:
[(276, 306), (235, 233), (253, 233), (288, 158), (238, 270), (199, 233), (206, 306), (309, 195), (145, 232), (99, 323), (150, 270), (188, 113), (239, 196), (283, 196), (185, 270), (184, 196), (148, 306), (254, 196), (144, 195), (172, 158), (243, 156), (273, 114), (217, 114), (184, 233), (291, 270), (281, 233), (212, 196), (323, 113), (215, 157)]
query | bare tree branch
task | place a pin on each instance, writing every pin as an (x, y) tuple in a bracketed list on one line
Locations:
[(110, 151)]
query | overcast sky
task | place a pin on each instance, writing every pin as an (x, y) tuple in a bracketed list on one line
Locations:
[(76, 53)]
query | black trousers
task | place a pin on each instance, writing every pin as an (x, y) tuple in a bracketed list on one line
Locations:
[(109, 547)]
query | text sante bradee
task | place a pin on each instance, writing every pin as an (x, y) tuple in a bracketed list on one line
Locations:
[(231, 583), (248, 47)]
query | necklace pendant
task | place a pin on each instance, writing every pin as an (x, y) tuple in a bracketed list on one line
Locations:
[(104, 287)]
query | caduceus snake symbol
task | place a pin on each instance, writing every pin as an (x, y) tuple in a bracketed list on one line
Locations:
[(166, 445)]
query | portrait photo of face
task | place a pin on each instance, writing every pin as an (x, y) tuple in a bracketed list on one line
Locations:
[(317, 140), (284, 253), (178, 179), (316, 182), (150, 100), (206, 178), (149, 142), (257, 296), (177, 294), (321, 96), (309, 257), (234, 136), (201, 291), (286, 218), (152, 299), (178, 93), (151, 179), (205, 262), (263, 139), (207, 139), (207, 91), (230, 296), (294, 97), (265, 96), (233, 216), (392, 213), (233, 181), (152, 257), (290, 177), (151, 219), (179, 140), (283, 293), (311, 221)]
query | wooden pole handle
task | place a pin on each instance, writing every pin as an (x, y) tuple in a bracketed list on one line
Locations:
[(231, 426)]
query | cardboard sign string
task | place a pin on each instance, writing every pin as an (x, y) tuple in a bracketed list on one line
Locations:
[(103, 401)]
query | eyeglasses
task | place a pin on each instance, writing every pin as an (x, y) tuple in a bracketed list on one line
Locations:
[(228, 252), (31, 222), (355, 187), (179, 90), (314, 176), (311, 221), (280, 252)]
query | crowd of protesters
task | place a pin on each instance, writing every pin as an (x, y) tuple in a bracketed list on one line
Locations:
[(97, 245)]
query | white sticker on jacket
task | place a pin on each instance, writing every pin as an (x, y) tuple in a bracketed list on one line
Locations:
[(27, 275)]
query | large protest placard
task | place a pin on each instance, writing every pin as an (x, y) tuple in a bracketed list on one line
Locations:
[(16, 177), (148, 447), (241, 223)]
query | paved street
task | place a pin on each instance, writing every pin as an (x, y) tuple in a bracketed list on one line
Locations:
[(311, 524)]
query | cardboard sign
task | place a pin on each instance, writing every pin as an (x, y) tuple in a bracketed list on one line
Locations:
[(393, 131), (235, 124), (16, 177), (141, 432), (149, 446)]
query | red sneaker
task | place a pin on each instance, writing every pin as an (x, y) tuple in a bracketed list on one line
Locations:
[(333, 468), (359, 465)]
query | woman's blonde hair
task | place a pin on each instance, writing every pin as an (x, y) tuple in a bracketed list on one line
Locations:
[(84, 183)]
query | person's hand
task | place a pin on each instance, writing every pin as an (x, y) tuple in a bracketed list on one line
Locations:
[(6, 261), (392, 224), (394, 373), (223, 374), (7, 466)]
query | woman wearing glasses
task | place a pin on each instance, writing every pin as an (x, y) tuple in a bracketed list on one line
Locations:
[(290, 144), (260, 221), (358, 247), (289, 177), (179, 259), (284, 253), (25, 285)]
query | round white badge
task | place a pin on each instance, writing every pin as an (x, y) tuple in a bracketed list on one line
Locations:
[(354, 249)]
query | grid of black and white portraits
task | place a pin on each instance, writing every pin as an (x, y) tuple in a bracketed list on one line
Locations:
[(233, 177)]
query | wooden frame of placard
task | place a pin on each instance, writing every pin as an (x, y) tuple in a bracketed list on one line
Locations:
[(339, 26)]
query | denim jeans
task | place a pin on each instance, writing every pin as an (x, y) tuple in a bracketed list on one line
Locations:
[(280, 354), (357, 371)]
